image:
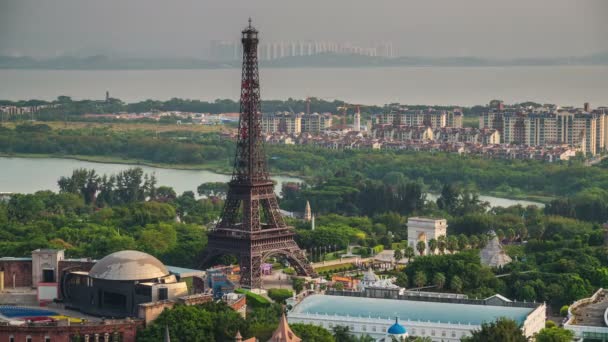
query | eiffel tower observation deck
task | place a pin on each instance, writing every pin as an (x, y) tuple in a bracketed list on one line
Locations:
[(251, 226)]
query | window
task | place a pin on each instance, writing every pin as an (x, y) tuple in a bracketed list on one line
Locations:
[(11, 338), (47, 339), (443, 333), (163, 293), (28, 339), (432, 332), (48, 276)]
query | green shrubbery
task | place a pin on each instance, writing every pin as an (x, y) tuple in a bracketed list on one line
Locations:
[(280, 295)]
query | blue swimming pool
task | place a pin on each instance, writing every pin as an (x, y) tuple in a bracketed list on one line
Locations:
[(17, 311)]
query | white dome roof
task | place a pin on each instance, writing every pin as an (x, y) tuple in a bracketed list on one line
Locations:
[(128, 265)]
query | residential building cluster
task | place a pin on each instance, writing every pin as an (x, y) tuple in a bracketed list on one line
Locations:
[(582, 128), (291, 123), (227, 50), (181, 117), (401, 116), (23, 110)]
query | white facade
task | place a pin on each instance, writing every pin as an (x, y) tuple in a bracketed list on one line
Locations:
[(425, 229), (446, 331), (377, 327), (438, 331), (45, 266)]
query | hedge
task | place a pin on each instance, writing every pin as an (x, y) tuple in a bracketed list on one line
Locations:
[(253, 299)]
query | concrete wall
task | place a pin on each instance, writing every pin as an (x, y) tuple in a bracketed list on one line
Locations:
[(17, 273), (150, 311), (535, 321)]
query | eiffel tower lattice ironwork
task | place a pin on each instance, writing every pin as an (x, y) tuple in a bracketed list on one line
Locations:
[(251, 226)]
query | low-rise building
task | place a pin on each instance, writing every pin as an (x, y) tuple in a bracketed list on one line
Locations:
[(588, 317), (441, 319)]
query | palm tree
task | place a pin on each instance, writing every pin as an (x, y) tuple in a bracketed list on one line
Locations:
[(483, 240), (409, 253), (452, 244), (439, 280), (463, 241), (474, 241), (456, 284), (420, 279), (398, 255), (441, 244), (421, 247), (432, 246), (500, 234), (523, 233), (510, 234)]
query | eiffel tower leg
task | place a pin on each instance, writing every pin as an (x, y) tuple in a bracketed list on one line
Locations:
[(251, 272)]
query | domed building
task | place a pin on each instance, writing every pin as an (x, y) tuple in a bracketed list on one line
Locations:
[(118, 283), (396, 332)]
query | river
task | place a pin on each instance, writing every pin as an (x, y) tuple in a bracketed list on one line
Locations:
[(464, 86), (28, 175)]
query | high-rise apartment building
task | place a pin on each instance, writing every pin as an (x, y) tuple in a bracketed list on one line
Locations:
[(282, 123), (221, 50), (315, 122), (583, 128), (430, 118)]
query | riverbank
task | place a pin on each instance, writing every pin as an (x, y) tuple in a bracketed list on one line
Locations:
[(214, 166), (495, 198)]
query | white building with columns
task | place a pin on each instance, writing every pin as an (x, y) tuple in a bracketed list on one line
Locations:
[(425, 229), (445, 320)]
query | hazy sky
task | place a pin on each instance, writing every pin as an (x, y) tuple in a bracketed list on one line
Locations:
[(183, 28)]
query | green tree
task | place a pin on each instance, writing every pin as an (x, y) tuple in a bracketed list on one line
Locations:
[(510, 234), (463, 242), (500, 234), (449, 199), (297, 284), (213, 189), (441, 244), (208, 322), (432, 246), (420, 279), (503, 329), (439, 280), (554, 334), (421, 247), (280, 295), (474, 241), (456, 284), (402, 280), (342, 333), (408, 252), (311, 332), (452, 243), (398, 255)]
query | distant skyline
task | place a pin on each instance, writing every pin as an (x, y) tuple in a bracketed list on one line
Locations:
[(184, 28)]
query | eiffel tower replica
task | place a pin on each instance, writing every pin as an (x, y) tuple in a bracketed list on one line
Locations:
[(251, 226)]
